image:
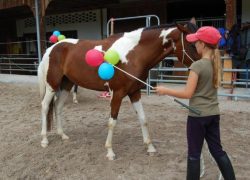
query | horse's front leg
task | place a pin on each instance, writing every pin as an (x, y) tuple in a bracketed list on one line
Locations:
[(115, 106), (111, 125), (135, 100)]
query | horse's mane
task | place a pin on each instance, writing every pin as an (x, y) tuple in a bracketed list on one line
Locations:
[(160, 26), (192, 27), (116, 35), (145, 28)]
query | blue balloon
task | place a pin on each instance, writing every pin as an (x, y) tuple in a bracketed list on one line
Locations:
[(56, 33), (106, 71)]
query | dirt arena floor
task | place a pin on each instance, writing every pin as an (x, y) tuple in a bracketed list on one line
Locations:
[(83, 156)]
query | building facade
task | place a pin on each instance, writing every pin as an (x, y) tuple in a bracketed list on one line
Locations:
[(87, 19)]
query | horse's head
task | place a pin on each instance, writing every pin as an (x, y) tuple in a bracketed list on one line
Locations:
[(183, 50)]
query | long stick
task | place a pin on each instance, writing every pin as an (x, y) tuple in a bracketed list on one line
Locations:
[(175, 100)]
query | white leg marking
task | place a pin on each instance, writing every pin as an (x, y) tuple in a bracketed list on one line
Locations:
[(108, 145), (45, 108), (144, 126), (74, 98), (61, 98), (202, 167)]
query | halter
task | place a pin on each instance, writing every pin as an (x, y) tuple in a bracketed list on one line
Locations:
[(184, 51)]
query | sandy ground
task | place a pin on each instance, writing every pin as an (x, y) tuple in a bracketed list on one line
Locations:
[(83, 156)]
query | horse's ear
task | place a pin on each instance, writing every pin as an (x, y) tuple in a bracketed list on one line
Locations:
[(182, 28)]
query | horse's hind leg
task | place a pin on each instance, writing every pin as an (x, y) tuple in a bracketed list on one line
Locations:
[(61, 98), (135, 99), (74, 94), (45, 108), (59, 103)]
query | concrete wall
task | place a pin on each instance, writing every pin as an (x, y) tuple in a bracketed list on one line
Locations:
[(88, 25)]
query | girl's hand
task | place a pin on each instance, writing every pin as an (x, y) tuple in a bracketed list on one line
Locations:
[(160, 90)]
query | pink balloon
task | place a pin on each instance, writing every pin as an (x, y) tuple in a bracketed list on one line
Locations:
[(53, 39), (94, 57)]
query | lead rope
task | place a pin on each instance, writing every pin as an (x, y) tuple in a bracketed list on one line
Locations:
[(184, 51)]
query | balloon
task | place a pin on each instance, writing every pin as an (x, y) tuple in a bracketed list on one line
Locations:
[(94, 57), (56, 33), (106, 71), (112, 57), (53, 39), (61, 37)]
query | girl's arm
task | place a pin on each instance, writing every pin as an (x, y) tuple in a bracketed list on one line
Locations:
[(185, 93)]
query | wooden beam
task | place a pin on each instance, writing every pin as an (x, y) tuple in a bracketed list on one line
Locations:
[(230, 13), (5, 4)]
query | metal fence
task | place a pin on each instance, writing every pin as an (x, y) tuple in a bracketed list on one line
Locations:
[(213, 21), (167, 75), (18, 64), (163, 75), (165, 72)]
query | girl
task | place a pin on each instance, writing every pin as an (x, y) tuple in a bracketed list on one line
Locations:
[(201, 89)]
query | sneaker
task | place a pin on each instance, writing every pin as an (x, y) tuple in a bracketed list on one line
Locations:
[(108, 94), (104, 94)]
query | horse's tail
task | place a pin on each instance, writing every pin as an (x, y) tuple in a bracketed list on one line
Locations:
[(41, 78)]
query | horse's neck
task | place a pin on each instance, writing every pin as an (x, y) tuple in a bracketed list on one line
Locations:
[(152, 46)]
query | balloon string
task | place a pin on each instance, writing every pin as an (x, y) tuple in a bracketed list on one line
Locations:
[(175, 100), (133, 77)]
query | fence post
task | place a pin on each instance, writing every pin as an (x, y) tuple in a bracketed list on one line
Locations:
[(38, 32), (227, 76)]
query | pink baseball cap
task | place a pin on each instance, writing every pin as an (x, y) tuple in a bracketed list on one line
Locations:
[(207, 34)]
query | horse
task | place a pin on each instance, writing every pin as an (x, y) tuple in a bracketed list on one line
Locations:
[(64, 65), (75, 88)]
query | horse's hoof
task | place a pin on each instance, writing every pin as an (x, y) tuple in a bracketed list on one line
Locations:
[(65, 137), (111, 157), (44, 144), (152, 154), (75, 101), (151, 149)]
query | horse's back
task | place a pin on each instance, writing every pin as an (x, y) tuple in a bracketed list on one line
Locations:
[(67, 58)]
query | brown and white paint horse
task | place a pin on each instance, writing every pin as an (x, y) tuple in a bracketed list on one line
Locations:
[(63, 65)]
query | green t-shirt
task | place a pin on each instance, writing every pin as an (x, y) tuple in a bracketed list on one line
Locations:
[(204, 98)]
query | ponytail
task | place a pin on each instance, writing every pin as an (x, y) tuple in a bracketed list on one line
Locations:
[(216, 61)]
